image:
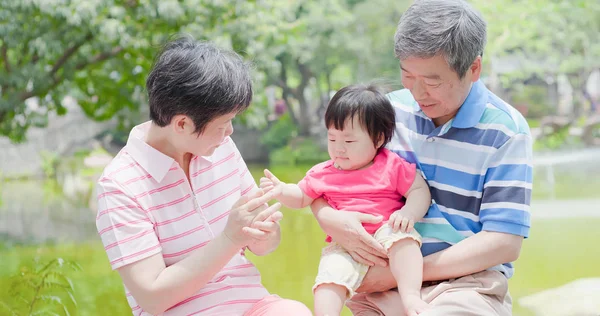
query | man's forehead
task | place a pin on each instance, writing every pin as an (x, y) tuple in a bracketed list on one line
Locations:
[(429, 74), (431, 68)]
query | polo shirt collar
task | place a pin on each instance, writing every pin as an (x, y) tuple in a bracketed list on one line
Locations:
[(472, 109), (153, 161)]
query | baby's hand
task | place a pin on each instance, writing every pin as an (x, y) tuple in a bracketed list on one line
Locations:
[(402, 220), (270, 183)]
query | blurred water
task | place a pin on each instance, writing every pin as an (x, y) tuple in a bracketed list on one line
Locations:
[(35, 212)]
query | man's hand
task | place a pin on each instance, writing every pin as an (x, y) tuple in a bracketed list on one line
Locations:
[(346, 229)]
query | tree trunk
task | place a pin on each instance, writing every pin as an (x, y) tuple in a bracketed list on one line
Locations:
[(304, 118)]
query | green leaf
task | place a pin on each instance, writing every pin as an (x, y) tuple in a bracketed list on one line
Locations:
[(8, 308), (54, 300)]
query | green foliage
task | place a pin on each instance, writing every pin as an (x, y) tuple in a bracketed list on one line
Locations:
[(280, 133), (544, 37), (42, 289), (50, 162), (559, 140), (98, 52), (298, 152), (98, 289), (535, 98)]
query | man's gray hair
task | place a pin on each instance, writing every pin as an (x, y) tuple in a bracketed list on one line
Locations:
[(452, 28)]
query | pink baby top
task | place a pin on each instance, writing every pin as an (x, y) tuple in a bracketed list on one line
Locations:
[(378, 189)]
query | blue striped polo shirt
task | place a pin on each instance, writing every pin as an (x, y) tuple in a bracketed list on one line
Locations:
[(478, 166)]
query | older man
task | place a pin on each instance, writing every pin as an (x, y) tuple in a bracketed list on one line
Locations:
[(475, 152)]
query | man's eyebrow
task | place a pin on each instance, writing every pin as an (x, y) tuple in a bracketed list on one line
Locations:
[(432, 76)]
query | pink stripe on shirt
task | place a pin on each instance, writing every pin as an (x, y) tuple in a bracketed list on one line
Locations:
[(216, 181), (221, 197), (168, 186), (216, 164), (244, 286), (134, 237), (164, 217), (158, 207)]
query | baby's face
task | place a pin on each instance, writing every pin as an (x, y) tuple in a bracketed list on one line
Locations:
[(352, 148)]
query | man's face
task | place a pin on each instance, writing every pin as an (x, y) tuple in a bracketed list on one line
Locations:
[(436, 87)]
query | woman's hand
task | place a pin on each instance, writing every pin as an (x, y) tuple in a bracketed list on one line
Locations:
[(265, 235), (248, 210)]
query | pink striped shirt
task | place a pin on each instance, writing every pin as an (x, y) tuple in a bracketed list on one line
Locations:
[(146, 207)]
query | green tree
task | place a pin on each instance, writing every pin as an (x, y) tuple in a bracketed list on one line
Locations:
[(96, 51), (551, 37), (294, 44)]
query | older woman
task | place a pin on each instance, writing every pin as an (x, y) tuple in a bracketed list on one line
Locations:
[(178, 207)]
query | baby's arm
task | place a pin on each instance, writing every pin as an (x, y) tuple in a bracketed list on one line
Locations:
[(289, 194), (418, 198)]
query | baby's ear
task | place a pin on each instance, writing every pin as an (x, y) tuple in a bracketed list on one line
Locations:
[(380, 141)]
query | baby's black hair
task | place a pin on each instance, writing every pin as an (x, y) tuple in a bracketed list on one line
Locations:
[(374, 110)]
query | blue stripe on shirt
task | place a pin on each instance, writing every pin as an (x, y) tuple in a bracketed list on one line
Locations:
[(479, 171)]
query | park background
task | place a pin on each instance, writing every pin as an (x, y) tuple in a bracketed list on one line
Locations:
[(72, 76)]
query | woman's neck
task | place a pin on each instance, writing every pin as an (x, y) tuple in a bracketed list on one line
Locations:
[(160, 139)]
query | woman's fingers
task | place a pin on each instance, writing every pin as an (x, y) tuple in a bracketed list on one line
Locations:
[(255, 233), (266, 226), (263, 215)]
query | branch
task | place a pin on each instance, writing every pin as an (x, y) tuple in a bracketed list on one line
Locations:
[(282, 83), (5, 57), (67, 54), (55, 81), (100, 57), (29, 94), (305, 73)]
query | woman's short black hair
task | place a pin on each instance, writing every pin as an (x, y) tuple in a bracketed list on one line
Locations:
[(374, 110), (199, 80)]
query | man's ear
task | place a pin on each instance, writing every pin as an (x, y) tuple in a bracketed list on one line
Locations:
[(475, 69)]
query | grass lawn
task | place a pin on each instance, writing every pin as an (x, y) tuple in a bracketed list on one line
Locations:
[(556, 253)]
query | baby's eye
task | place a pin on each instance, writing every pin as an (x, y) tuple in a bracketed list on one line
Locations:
[(349, 141), (332, 140)]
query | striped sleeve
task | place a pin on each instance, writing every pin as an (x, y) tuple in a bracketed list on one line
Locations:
[(247, 182), (507, 189), (125, 229)]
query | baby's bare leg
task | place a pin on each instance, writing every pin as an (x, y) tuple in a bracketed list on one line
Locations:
[(406, 263), (329, 299)]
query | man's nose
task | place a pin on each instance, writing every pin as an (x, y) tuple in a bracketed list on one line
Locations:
[(419, 91)]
